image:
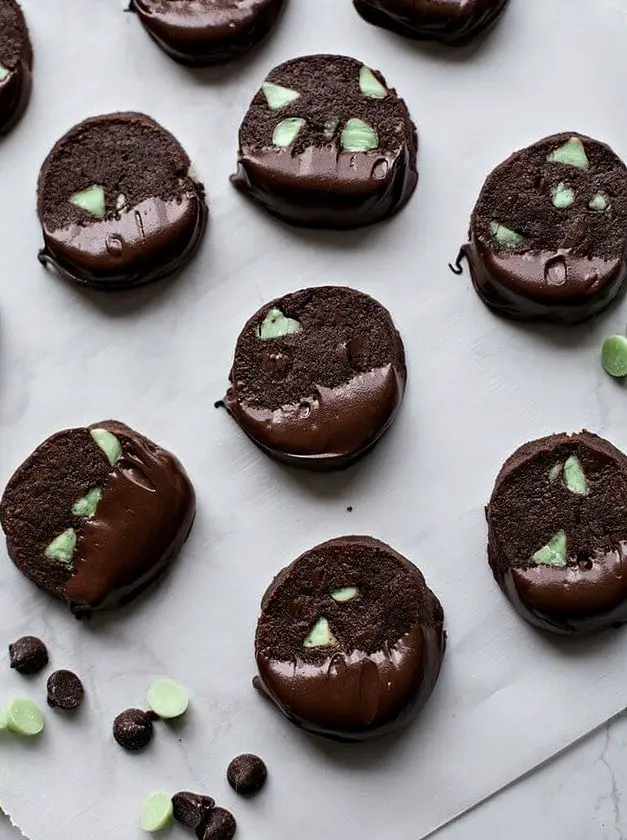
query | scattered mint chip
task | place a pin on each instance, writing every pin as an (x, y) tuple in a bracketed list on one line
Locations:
[(599, 202), (157, 813), (62, 547), (287, 131), (277, 325), (277, 96), (370, 85), (574, 476), (320, 635), (167, 699), (3, 72), (554, 553), (25, 718), (555, 473), (572, 153), (614, 355), (562, 196), (506, 238), (330, 127), (92, 200), (347, 593), (359, 136), (109, 444), (86, 506)]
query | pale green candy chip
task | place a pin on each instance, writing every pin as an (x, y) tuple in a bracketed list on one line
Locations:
[(572, 153), (359, 136), (3, 73), (167, 699), (277, 96), (330, 127), (62, 547), (25, 718), (506, 238), (554, 553), (574, 476), (109, 444), (320, 635), (277, 325), (562, 196), (157, 812), (86, 506), (287, 131), (599, 202), (92, 200), (346, 593), (555, 473), (614, 355), (370, 85)]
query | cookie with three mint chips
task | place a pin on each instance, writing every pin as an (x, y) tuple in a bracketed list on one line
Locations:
[(16, 59), (557, 533), (548, 235), (326, 143), (97, 514)]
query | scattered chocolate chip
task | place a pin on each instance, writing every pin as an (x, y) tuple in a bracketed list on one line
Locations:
[(350, 508), (28, 655), (132, 729), (65, 690), (191, 809), (220, 825), (247, 774)]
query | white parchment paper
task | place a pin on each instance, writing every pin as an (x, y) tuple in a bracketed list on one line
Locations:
[(508, 697)]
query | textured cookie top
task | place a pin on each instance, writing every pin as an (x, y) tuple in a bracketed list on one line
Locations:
[(128, 156), (14, 40), (564, 192)]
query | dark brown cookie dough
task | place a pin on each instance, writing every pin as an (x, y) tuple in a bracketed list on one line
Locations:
[(326, 143), (117, 204), (548, 235), (557, 533), (16, 60), (453, 22), (318, 377), (96, 514), (204, 32), (350, 640)]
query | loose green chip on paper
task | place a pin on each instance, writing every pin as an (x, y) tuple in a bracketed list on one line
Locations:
[(157, 812), (167, 699), (614, 355), (24, 717)]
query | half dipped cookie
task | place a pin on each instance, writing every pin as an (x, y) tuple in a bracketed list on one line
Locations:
[(16, 60), (557, 533), (318, 377), (97, 514), (350, 640), (117, 203), (327, 144), (548, 235)]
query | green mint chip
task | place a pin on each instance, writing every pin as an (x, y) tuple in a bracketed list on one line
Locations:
[(167, 699), (157, 812), (370, 85), (562, 196), (599, 202), (320, 635), (277, 96), (347, 593), (92, 200), (25, 718), (554, 553), (277, 325), (572, 153), (287, 131), (62, 547), (555, 473), (359, 136), (614, 355), (574, 476), (109, 444), (86, 506), (3, 73), (506, 238)]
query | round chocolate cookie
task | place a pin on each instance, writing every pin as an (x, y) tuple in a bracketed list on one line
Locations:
[(318, 377), (453, 22), (203, 32), (16, 60), (96, 514), (558, 533), (117, 203), (350, 640), (548, 235), (326, 143)]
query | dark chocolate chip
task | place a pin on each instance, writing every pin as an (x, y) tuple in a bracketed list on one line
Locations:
[(220, 825), (247, 774), (132, 729), (65, 690), (192, 809), (28, 655)]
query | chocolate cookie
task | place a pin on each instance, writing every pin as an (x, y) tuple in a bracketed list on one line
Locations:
[(204, 32), (318, 377), (350, 640), (453, 22), (558, 533), (16, 61), (117, 203), (326, 143), (548, 235), (96, 514)]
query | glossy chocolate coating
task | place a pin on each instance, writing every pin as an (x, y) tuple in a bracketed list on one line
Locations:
[(313, 182), (453, 22), (16, 57), (589, 592), (353, 694), (323, 397), (204, 32)]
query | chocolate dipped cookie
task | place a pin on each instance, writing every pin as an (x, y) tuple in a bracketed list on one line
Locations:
[(548, 235), (557, 533), (95, 515), (117, 203), (327, 144), (16, 60), (453, 22), (204, 32), (318, 377), (350, 640)]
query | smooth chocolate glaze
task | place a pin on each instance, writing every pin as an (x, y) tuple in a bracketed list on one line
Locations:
[(452, 22), (200, 33)]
